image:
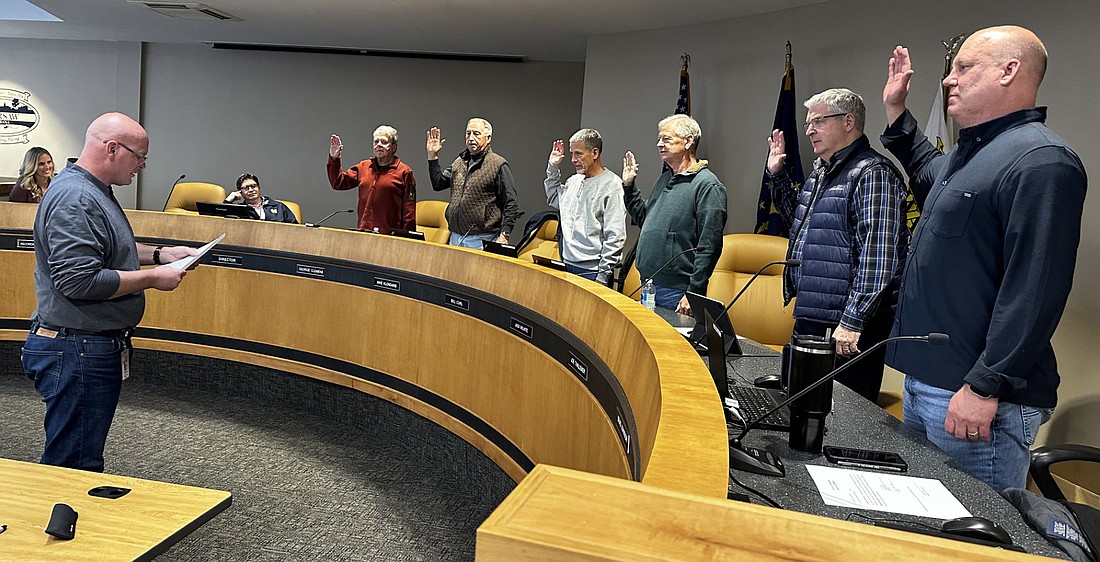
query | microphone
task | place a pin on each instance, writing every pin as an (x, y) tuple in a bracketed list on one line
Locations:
[(755, 460), (659, 269), (170, 191), (787, 263), (332, 214)]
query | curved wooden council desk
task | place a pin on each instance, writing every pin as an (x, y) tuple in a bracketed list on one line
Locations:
[(526, 364)]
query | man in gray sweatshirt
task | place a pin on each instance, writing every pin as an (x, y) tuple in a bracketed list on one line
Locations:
[(592, 228)]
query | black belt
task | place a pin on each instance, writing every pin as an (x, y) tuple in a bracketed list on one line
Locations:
[(62, 332)]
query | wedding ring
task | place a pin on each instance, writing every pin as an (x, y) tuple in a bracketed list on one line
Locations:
[(968, 434)]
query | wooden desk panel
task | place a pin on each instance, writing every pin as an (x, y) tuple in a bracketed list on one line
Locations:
[(530, 398), (139, 525)]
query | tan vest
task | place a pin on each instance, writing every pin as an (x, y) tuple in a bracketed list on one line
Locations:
[(475, 208)]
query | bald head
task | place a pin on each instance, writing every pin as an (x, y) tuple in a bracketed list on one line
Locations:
[(1007, 42), (114, 148)]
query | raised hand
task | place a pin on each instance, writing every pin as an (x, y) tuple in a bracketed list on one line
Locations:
[(336, 147), (630, 168), (897, 84), (557, 152), (435, 143), (777, 152)]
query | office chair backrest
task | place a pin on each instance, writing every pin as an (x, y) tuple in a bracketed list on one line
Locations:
[(183, 197), (431, 219), (294, 208), (543, 241), (760, 314)]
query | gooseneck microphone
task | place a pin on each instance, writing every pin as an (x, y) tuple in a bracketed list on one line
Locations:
[(332, 214), (659, 269), (787, 263), (750, 459), (170, 191)]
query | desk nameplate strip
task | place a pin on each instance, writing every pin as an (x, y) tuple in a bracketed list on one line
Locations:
[(529, 326)]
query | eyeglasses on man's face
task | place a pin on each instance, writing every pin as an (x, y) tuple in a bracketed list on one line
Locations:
[(141, 157), (817, 121)]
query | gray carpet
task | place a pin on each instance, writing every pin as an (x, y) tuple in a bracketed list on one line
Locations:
[(316, 471)]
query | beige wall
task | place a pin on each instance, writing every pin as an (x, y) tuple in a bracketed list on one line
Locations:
[(631, 82)]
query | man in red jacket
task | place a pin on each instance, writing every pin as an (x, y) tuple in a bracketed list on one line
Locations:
[(387, 189)]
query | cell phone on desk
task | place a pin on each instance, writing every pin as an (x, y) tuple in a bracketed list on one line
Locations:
[(863, 458)]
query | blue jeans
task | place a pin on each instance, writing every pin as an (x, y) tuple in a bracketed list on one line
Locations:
[(1003, 461), (589, 274), (475, 241), (79, 377), (668, 298)]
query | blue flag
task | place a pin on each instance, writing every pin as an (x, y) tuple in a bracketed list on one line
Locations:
[(768, 220), (683, 104)]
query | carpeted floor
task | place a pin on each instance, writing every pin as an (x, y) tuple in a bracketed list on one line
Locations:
[(317, 472)]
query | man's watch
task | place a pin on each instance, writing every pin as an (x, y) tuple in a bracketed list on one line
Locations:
[(156, 255), (981, 393)]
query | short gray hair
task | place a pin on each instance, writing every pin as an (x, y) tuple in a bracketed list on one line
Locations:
[(684, 126), (841, 100), (484, 125), (388, 131), (591, 137)]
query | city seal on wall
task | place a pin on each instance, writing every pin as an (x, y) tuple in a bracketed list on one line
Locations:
[(17, 116)]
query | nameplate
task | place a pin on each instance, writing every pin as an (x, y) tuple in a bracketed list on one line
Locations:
[(457, 302), (387, 284), (223, 259), (24, 244), (310, 270), (578, 366), (623, 433), (521, 328)]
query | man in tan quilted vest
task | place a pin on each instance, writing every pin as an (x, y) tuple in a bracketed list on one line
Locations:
[(483, 193)]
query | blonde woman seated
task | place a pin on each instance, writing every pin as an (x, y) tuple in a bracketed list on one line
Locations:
[(34, 176)]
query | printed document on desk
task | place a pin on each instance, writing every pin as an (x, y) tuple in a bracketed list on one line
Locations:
[(189, 260), (893, 493)]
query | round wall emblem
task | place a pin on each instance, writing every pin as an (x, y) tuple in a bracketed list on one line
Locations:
[(17, 116)]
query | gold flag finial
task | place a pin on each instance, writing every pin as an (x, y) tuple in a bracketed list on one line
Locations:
[(685, 61), (952, 45)]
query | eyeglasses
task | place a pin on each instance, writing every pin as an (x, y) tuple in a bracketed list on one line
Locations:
[(249, 187), (817, 121), (141, 157)]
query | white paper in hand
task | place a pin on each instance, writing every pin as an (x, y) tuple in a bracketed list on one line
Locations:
[(189, 260)]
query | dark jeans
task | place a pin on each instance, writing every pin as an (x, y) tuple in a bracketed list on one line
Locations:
[(589, 274), (668, 298), (865, 376), (79, 377)]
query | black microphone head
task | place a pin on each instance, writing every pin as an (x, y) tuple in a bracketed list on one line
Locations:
[(937, 338), (350, 211), (793, 263), (699, 249)]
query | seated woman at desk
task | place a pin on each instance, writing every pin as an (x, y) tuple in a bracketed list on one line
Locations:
[(263, 208), (34, 176)]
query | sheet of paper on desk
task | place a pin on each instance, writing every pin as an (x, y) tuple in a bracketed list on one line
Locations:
[(893, 493), (186, 262)]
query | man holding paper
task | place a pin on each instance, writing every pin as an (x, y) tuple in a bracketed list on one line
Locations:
[(90, 285)]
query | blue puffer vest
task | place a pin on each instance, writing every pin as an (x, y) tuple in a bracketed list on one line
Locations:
[(827, 269)]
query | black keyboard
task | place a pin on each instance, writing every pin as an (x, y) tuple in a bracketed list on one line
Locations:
[(752, 402)]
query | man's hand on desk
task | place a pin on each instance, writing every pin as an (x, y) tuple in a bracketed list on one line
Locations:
[(969, 416)]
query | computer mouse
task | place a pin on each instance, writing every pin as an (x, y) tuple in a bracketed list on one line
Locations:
[(977, 528), (767, 381)]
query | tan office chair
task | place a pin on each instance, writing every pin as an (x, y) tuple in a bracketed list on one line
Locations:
[(760, 314), (294, 208), (185, 194), (431, 219), (544, 242)]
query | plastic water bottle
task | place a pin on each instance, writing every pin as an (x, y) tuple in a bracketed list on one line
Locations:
[(649, 295)]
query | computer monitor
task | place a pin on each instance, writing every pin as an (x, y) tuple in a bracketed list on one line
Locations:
[(549, 262), (502, 249), (228, 210), (412, 234), (700, 304)]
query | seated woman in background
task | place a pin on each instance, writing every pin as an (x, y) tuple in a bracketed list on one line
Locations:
[(263, 208), (34, 176)]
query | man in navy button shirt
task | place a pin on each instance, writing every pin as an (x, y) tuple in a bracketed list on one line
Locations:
[(992, 258)]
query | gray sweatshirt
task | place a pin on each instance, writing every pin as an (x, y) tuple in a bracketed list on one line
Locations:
[(593, 219)]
